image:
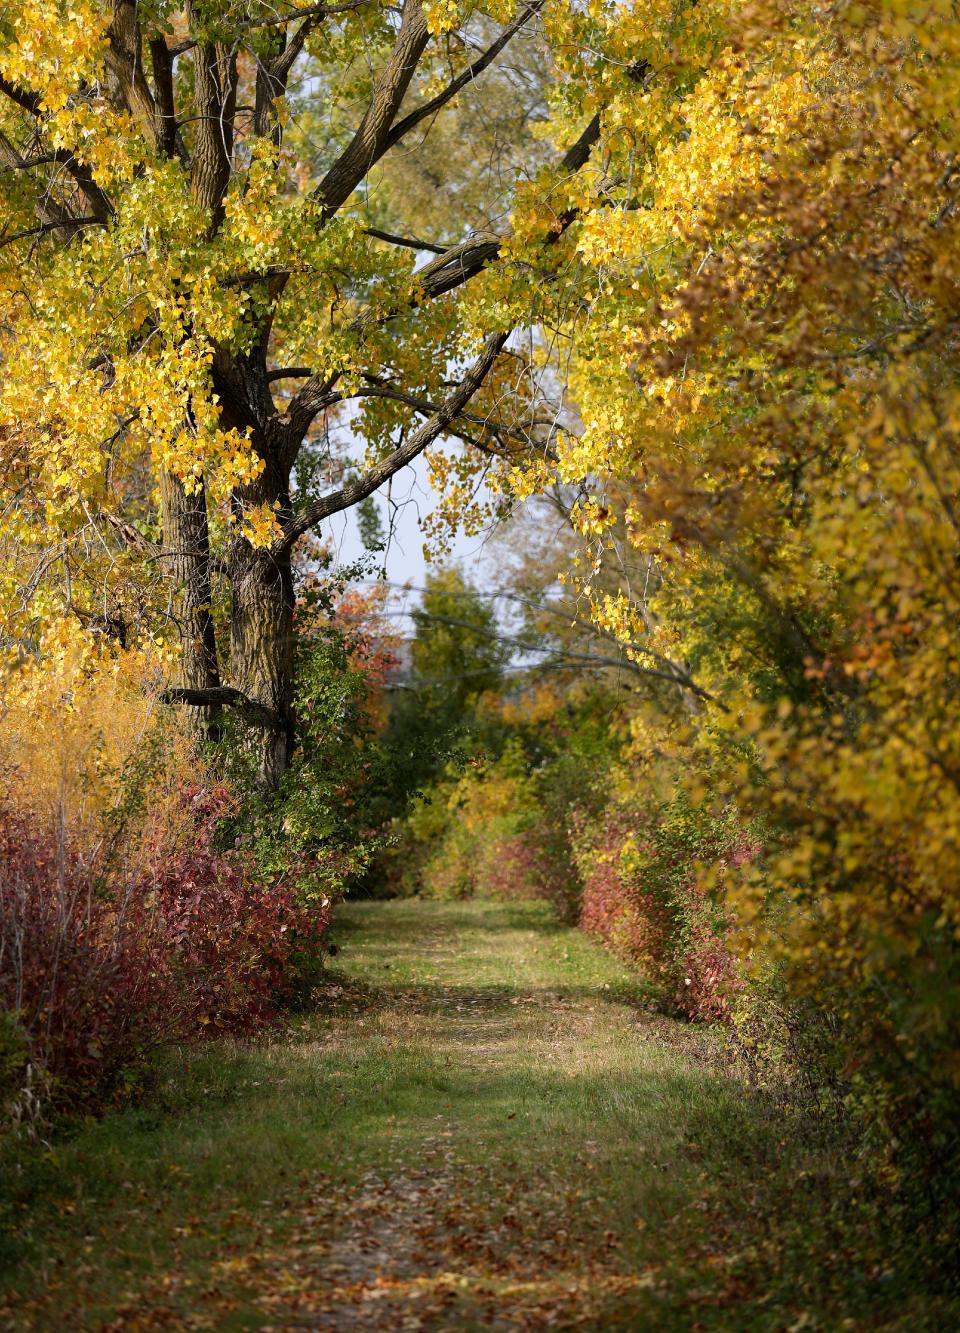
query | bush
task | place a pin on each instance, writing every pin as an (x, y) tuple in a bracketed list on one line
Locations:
[(98, 970), (482, 832), (124, 925), (650, 890), (320, 828)]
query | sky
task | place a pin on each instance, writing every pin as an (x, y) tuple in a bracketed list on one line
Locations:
[(405, 563)]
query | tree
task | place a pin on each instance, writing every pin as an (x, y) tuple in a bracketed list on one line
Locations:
[(456, 656), (456, 653), (192, 286), (769, 396)]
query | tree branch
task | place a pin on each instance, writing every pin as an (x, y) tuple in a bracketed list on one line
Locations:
[(24, 99), (215, 79), (28, 101), (273, 73), (457, 265), (446, 94), (58, 224), (376, 389), (289, 373), (222, 696), (169, 141), (125, 62), (451, 269), (130, 535), (370, 141), (358, 490), (410, 242), (577, 154), (561, 655)]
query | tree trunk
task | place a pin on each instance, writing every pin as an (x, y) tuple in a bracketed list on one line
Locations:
[(186, 552), (261, 630)]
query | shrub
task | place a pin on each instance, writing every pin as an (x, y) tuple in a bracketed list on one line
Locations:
[(123, 924), (478, 833), (650, 890), (319, 829), (98, 970)]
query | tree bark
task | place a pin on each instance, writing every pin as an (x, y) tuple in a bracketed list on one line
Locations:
[(186, 558), (261, 627)]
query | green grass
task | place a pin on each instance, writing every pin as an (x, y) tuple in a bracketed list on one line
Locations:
[(481, 1121)]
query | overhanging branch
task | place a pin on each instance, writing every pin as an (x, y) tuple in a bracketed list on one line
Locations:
[(374, 477), (376, 388), (451, 269), (224, 696)]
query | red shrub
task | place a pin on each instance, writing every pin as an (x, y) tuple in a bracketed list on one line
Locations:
[(703, 971), (615, 907), (509, 870), (643, 895), (98, 969), (532, 863)]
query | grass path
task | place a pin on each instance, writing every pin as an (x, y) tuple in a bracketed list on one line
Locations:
[(481, 1126)]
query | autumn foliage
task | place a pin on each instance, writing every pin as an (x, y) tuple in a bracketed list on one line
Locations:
[(646, 893), (769, 402), (712, 320), (124, 924), (97, 975)]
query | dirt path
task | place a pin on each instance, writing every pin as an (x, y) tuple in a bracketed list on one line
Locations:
[(476, 1225), (483, 1126)]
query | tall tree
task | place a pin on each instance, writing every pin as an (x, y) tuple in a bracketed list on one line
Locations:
[(193, 282), (769, 398)]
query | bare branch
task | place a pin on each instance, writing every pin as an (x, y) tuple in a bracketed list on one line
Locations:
[(374, 477), (409, 242), (224, 696), (562, 655), (447, 94), (41, 160), (57, 224), (378, 389), (289, 373)]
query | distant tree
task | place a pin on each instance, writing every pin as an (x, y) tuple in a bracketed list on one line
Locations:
[(456, 652), (457, 658)]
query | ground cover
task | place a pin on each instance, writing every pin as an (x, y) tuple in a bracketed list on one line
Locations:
[(483, 1123)]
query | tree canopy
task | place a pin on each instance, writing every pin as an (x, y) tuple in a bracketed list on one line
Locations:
[(691, 270), (205, 255)]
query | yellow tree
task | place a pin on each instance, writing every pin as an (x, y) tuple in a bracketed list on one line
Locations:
[(196, 274), (769, 386)]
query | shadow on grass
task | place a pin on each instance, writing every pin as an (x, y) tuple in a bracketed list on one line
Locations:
[(749, 1215), (341, 993), (690, 1175), (404, 916)]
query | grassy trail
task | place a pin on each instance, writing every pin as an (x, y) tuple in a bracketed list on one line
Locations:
[(481, 1127)]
